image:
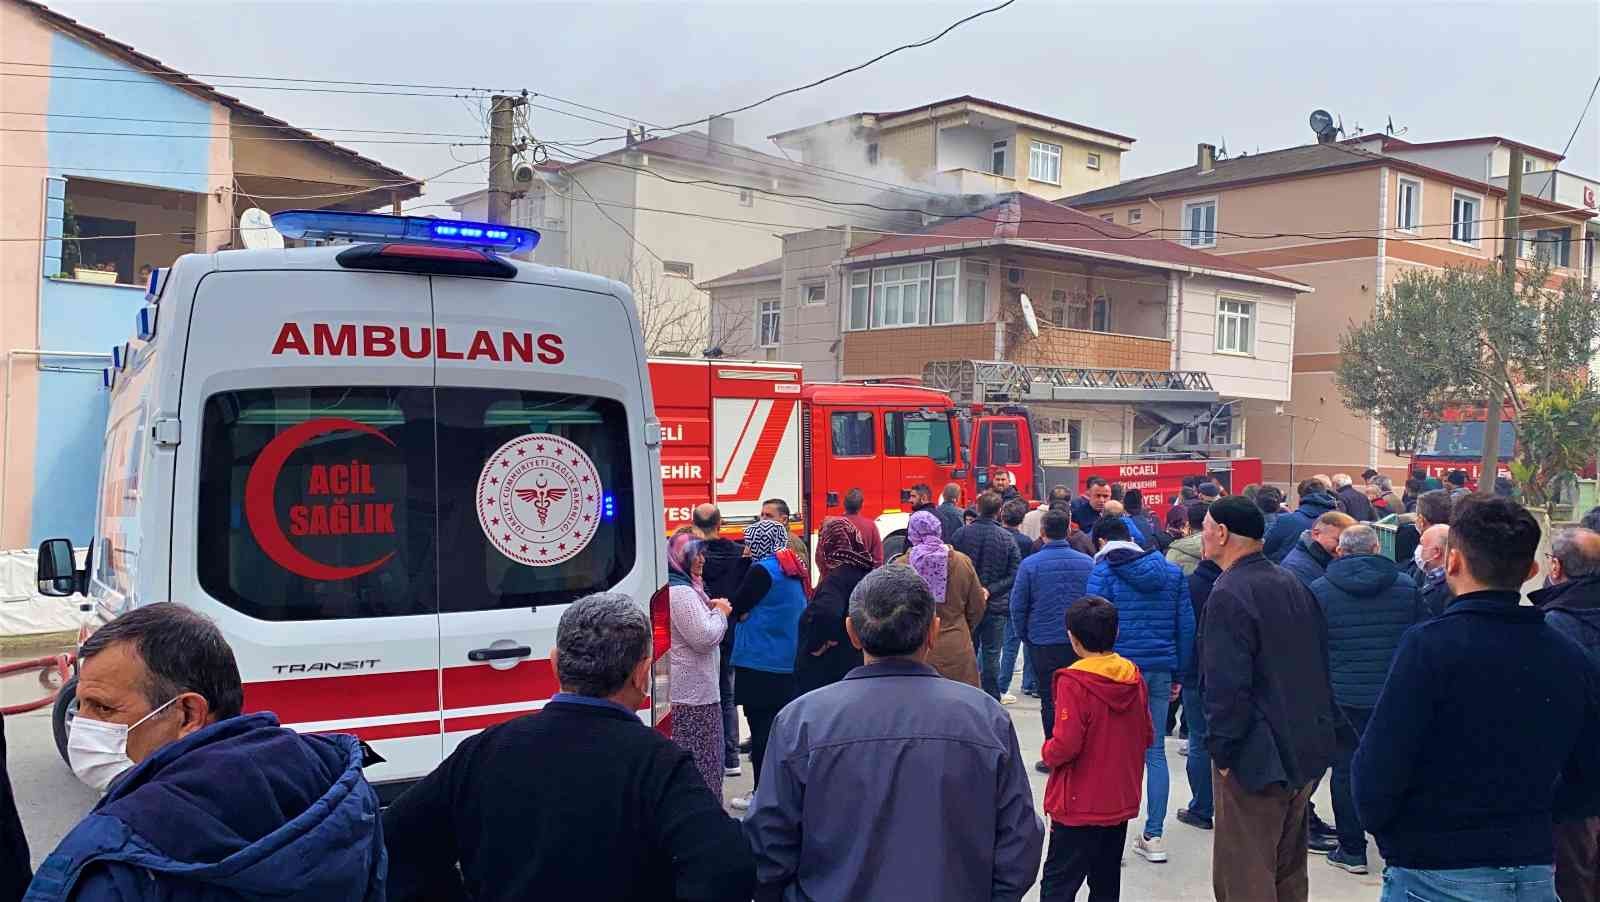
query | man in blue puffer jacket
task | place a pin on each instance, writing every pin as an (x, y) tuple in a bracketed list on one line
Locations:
[(1314, 502), (1152, 599), (1369, 605), (1047, 583), (219, 806)]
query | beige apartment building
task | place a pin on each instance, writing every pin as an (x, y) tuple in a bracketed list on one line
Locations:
[(964, 145), (1132, 334), (1345, 218)]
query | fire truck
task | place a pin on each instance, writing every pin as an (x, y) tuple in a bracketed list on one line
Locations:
[(741, 432), (1457, 444)]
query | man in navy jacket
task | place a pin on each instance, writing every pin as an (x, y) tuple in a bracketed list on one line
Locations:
[(219, 806), (1488, 720), (1369, 604), (1314, 502), (1047, 583)]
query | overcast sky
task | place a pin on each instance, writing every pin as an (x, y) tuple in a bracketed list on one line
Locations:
[(1169, 74)]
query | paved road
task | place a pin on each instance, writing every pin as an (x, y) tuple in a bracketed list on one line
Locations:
[(51, 800), (1187, 874)]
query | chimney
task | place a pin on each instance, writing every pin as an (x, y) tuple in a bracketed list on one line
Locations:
[(1207, 157), (720, 130)]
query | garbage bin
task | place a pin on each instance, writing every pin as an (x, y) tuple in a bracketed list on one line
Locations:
[(1387, 528)]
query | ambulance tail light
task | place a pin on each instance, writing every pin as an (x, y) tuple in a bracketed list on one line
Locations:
[(660, 663), (427, 259)]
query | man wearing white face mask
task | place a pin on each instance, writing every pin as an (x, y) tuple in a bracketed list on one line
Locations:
[(202, 802)]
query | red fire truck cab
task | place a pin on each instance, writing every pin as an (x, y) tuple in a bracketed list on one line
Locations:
[(1457, 444), (741, 432)]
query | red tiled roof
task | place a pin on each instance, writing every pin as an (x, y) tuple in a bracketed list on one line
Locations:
[(1026, 220)]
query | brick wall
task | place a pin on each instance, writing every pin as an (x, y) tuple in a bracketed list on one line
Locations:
[(1056, 346), (883, 353)]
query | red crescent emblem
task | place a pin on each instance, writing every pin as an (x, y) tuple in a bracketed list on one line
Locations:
[(261, 487)]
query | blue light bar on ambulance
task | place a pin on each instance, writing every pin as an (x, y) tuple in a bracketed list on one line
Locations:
[(152, 291), (322, 225)]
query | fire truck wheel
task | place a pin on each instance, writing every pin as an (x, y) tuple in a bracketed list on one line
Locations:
[(894, 545)]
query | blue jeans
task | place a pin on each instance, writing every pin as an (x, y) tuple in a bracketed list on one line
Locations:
[(986, 643), (1531, 883), (1199, 762), (1008, 661), (1155, 757)]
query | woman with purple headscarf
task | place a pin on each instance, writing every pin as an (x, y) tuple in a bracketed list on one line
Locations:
[(960, 598), (698, 623)]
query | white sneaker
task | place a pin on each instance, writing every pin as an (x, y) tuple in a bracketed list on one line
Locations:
[(1151, 848), (733, 771), (1008, 699), (1183, 748), (741, 803)]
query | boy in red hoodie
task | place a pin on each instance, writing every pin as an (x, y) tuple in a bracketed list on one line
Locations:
[(1096, 758)]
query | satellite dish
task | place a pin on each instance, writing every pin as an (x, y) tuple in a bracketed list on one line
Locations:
[(1031, 321), (256, 231), (1322, 123)]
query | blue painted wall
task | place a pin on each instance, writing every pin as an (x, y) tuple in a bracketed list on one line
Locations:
[(75, 316), (177, 163)]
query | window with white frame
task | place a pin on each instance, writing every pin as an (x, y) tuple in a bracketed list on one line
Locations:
[(1200, 223), (1044, 162), (1464, 218), (769, 313), (747, 198), (997, 157), (680, 268), (900, 295), (1236, 321), (974, 290), (1093, 162), (813, 293), (1408, 205), (946, 280), (860, 299), (1135, 216)]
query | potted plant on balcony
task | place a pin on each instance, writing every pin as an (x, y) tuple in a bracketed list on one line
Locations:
[(71, 250)]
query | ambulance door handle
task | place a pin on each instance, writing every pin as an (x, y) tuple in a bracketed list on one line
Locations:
[(833, 499), (499, 654)]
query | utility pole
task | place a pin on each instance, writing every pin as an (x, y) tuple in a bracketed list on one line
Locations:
[(1489, 466), (502, 134)]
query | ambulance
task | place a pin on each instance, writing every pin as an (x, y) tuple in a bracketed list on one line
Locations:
[(384, 468)]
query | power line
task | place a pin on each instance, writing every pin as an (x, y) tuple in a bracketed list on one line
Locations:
[(180, 81), (165, 73), (1147, 234), (1579, 124), (856, 68), (56, 131), (196, 122)]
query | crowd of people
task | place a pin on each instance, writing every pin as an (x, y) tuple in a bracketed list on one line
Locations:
[(1457, 725)]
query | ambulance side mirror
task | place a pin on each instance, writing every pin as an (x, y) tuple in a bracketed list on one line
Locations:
[(59, 575)]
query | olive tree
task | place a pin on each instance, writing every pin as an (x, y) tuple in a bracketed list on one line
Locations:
[(1460, 335)]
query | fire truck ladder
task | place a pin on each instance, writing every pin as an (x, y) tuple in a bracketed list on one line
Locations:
[(990, 381), (1182, 402)]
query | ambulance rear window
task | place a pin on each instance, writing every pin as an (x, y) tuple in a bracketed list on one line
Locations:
[(336, 502)]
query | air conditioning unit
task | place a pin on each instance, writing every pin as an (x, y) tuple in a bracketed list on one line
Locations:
[(1013, 276)]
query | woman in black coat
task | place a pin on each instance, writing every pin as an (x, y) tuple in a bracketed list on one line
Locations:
[(825, 654)]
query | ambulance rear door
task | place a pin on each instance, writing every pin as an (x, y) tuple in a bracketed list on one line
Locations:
[(304, 510), (546, 480)]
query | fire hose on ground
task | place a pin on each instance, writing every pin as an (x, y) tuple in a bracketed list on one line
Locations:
[(57, 668)]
